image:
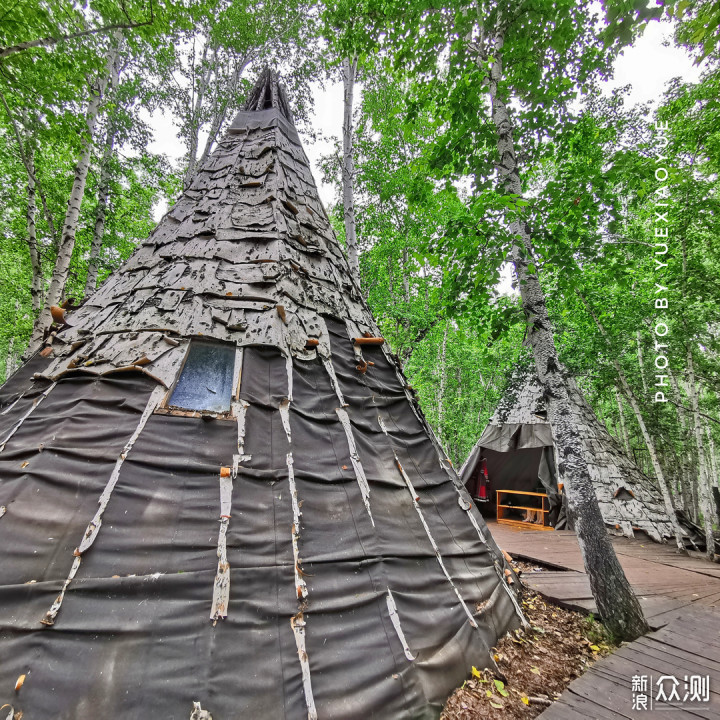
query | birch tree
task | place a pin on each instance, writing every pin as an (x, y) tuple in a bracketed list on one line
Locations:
[(537, 56), (349, 71)]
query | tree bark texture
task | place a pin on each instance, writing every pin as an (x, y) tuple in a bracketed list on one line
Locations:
[(707, 502), (195, 117), (67, 241), (103, 193), (616, 602), (623, 428), (649, 442), (220, 112), (349, 71), (36, 289)]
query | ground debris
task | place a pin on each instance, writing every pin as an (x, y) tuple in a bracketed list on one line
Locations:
[(535, 665)]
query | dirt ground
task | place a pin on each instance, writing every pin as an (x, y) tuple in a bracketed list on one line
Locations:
[(535, 665)]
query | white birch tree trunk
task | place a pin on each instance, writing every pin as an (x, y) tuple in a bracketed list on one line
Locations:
[(36, 289), (443, 382), (711, 455), (705, 497), (616, 602), (100, 214), (67, 241), (196, 116), (220, 114), (349, 71)]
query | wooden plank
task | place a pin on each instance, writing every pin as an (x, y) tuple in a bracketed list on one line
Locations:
[(689, 661), (571, 706)]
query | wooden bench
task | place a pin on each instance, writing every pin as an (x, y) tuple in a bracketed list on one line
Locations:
[(502, 510)]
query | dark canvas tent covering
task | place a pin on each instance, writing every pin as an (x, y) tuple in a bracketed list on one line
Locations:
[(519, 450), (216, 487)]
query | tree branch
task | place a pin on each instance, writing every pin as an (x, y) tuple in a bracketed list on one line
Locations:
[(48, 41)]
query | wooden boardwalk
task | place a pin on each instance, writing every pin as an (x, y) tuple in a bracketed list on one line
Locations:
[(680, 596), (664, 580)]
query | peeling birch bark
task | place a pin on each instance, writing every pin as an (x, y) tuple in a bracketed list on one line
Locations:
[(300, 585), (199, 714), (95, 524), (334, 381), (221, 587), (415, 498), (19, 423), (355, 460), (284, 409), (3, 510), (297, 622), (395, 619)]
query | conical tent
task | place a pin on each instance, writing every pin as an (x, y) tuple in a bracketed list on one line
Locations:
[(517, 450), (218, 493)]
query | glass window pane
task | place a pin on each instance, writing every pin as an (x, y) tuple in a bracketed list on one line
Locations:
[(206, 380)]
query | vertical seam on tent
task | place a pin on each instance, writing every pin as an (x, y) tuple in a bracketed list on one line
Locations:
[(93, 527), (336, 386), (418, 509), (395, 619), (221, 586), (347, 427), (297, 621), (19, 423)]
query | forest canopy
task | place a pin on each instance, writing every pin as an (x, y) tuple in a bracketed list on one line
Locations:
[(465, 126)]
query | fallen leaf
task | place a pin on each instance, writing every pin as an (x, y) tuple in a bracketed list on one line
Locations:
[(595, 648), (525, 699), (476, 672), (496, 705), (500, 685), (535, 670)]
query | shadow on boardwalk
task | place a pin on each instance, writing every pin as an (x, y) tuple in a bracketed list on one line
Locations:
[(680, 596)]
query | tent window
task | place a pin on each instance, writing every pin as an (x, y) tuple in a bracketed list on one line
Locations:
[(205, 383)]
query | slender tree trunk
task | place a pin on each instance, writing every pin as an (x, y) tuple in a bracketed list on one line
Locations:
[(405, 276), (195, 118), (100, 213), (349, 71), (711, 455), (638, 340), (220, 115), (36, 289), (30, 166), (707, 502), (67, 242), (649, 442), (686, 467), (623, 428), (616, 602), (443, 376), (103, 187)]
